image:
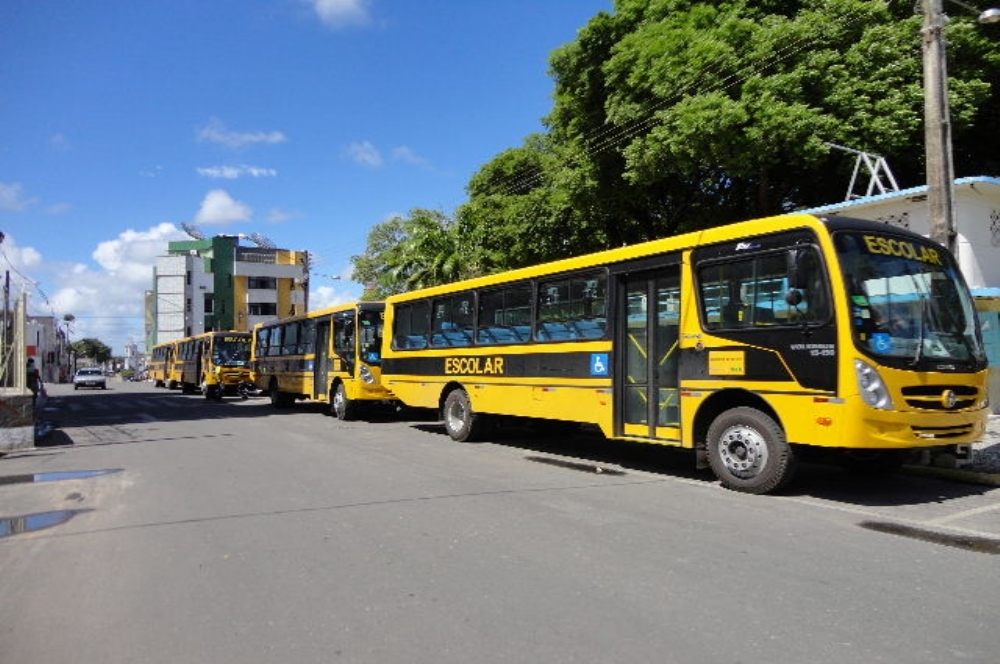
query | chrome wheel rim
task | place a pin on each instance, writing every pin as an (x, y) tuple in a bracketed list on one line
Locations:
[(743, 451), (455, 416)]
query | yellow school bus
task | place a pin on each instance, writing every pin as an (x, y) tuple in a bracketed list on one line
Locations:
[(752, 344), (213, 363), (161, 365), (332, 355)]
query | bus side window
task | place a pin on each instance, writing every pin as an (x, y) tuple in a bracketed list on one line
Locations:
[(411, 323)]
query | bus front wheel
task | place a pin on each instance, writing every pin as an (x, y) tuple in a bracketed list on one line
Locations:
[(462, 423), (344, 408), (748, 452)]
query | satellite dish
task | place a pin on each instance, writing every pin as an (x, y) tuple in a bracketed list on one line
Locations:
[(192, 230), (262, 241)]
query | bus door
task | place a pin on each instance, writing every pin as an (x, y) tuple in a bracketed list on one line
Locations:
[(646, 394), (321, 366), (345, 340)]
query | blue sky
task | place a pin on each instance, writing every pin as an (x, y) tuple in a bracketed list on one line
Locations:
[(308, 121)]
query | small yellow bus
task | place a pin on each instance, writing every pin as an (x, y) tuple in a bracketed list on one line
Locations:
[(751, 343), (332, 355), (162, 365), (214, 363)]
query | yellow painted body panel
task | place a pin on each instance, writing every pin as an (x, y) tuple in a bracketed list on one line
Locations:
[(810, 417)]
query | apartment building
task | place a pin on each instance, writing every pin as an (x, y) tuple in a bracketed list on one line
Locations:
[(218, 283)]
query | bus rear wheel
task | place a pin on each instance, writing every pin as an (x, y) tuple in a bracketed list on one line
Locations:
[(462, 423), (279, 399), (748, 452), (344, 408)]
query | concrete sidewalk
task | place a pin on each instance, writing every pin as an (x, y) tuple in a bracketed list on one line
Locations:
[(17, 420)]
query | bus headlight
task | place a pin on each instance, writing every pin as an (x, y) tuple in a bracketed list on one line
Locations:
[(873, 388), (367, 375)]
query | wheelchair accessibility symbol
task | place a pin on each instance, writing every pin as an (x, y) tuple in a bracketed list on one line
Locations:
[(882, 342), (599, 364)]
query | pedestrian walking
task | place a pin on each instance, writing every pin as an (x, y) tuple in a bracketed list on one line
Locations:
[(34, 380)]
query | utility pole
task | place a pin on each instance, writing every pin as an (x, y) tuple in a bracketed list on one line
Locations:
[(937, 129)]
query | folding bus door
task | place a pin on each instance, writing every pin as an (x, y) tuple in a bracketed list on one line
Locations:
[(648, 352), (321, 365)]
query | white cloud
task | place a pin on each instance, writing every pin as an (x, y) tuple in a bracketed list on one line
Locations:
[(279, 216), (136, 248), (322, 297), (405, 154), (59, 208), (107, 300), (221, 208), (235, 172), (12, 197), (365, 153), (341, 13), (20, 258), (217, 132)]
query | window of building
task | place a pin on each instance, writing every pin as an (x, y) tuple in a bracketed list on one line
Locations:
[(262, 309), (262, 283)]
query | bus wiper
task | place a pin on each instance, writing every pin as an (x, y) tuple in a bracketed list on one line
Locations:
[(919, 354)]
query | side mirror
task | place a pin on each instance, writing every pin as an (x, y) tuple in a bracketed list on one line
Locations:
[(793, 297), (801, 265)]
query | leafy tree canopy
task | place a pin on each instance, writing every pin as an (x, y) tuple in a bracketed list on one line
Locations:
[(93, 349), (675, 115), (403, 254), (712, 112)]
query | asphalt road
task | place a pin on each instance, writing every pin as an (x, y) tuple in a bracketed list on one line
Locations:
[(158, 527)]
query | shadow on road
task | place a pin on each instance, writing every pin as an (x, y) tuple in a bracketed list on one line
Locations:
[(589, 449)]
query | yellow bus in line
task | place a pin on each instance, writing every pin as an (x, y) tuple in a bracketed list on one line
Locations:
[(161, 365), (751, 343), (213, 363), (331, 355)]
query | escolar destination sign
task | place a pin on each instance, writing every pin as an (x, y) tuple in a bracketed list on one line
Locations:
[(490, 366), (903, 248)]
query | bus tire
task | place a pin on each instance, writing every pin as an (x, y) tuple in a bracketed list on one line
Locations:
[(209, 392), (278, 398), (345, 409), (748, 452), (461, 422)]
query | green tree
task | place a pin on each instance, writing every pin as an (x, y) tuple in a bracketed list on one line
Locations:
[(371, 268), (93, 349), (421, 250), (674, 115), (517, 213)]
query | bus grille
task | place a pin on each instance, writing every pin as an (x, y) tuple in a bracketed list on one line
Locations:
[(932, 397)]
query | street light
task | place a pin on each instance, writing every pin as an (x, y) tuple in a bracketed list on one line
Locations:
[(937, 123)]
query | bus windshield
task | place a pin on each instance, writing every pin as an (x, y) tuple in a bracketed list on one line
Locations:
[(907, 299), (231, 351)]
